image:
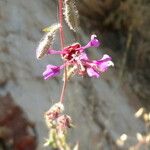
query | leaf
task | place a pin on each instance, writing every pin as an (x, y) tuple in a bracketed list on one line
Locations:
[(71, 14), (47, 41), (52, 28)]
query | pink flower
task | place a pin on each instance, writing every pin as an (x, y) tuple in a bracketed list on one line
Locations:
[(93, 43), (93, 73), (51, 71), (76, 48), (99, 66), (76, 58), (104, 63)]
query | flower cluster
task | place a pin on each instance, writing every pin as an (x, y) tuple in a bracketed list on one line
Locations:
[(53, 113), (76, 59), (55, 118), (58, 124)]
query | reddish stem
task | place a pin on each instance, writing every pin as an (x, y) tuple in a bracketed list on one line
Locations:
[(62, 47)]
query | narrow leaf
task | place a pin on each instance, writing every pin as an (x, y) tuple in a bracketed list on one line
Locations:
[(47, 41), (52, 28), (71, 14)]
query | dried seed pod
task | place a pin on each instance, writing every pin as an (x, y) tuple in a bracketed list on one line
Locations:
[(47, 41), (71, 14)]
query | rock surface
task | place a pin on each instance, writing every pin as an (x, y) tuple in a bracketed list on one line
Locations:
[(99, 108), (16, 131)]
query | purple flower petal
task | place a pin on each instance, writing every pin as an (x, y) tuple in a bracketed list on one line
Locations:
[(51, 51), (92, 73), (103, 67), (51, 71), (83, 56), (104, 63), (105, 58), (93, 43)]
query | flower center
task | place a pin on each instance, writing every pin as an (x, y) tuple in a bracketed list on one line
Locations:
[(71, 51)]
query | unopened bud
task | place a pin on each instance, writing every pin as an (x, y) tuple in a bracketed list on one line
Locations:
[(63, 122), (53, 113)]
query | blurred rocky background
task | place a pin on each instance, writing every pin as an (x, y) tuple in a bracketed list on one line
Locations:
[(102, 109), (124, 26)]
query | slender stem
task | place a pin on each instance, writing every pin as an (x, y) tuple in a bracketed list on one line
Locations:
[(62, 47), (61, 23)]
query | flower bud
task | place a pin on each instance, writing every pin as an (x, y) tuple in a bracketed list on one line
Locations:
[(53, 113), (63, 122)]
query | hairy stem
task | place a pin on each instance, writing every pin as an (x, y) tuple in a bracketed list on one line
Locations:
[(62, 47)]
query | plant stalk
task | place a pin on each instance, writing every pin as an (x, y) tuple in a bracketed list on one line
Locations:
[(62, 47)]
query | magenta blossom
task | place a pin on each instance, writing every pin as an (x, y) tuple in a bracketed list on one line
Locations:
[(99, 66), (51, 71), (93, 43), (76, 47), (92, 73), (104, 63), (77, 60)]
